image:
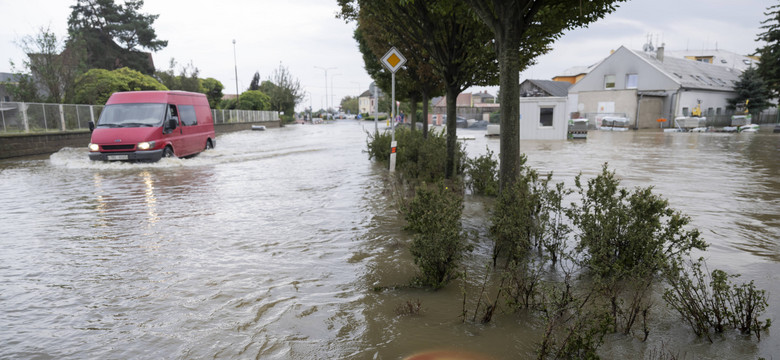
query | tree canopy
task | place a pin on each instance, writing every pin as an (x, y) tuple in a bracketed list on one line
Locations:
[(453, 42), (283, 90), (523, 30), (96, 85), (50, 65), (186, 80), (751, 87), (769, 67), (114, 35), (255, 100), (213, 90)]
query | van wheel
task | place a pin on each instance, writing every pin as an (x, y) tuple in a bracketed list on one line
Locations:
[(168, 152), (209, 144)]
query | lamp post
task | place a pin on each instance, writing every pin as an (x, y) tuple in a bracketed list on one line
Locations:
[(235, 63), (326, 87), (332, 92)]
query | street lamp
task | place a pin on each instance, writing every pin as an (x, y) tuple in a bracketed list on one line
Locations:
[(332, 92), (326, 86), (238, 95)]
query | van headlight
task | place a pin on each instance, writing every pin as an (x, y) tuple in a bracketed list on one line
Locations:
[(94, 147), (146, 145)]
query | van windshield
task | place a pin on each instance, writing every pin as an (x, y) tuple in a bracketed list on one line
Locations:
[(132, 115)]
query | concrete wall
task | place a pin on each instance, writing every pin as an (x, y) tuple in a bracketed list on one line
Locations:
[(17, 145)]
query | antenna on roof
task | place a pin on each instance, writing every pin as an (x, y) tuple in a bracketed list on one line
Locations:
[(648, 47)]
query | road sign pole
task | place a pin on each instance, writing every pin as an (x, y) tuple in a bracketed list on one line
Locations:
[(393, 60), (393, 144)]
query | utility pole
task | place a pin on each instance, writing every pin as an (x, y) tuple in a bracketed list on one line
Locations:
[(235, 62), (326, 87)]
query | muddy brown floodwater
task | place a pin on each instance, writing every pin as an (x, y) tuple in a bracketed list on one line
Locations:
[(271, 245)]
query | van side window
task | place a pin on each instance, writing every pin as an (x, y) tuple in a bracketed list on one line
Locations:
[(187, 115), (172, 111)]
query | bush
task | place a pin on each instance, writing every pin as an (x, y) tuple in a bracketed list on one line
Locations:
[(439, 243), (482, 174), (716, 305), (627, 238), (95, 86), (418, 158)]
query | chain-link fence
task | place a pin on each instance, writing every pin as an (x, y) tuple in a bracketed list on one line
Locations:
[(241, 116), (18, 117)]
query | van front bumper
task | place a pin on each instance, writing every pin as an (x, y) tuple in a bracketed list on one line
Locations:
[(147, 156)]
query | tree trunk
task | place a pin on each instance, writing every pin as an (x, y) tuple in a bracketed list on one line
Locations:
[(509, 96), (425, 114), (452, 100), (413, 110)]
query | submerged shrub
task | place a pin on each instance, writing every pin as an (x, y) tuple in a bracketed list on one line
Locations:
[(718, 304), (627, 238), (418, 158), (439, 243), (482, 174)]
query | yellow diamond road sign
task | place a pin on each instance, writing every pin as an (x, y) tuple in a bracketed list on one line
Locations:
[(393, 60)]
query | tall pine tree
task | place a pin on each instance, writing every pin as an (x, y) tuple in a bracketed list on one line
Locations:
[(114, 35), (751, 87), (769, 67)]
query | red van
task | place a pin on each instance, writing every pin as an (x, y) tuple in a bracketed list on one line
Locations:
[(149, 125)]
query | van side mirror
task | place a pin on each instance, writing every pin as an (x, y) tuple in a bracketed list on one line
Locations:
[(91, 126), (170, 125)]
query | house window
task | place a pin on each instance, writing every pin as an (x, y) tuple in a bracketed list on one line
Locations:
[(717, 111), (546, 117), (631, 81), (609, 81), (685, 111), (710, 111)]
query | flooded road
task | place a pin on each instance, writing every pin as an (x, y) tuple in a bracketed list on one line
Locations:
[(271, 245)]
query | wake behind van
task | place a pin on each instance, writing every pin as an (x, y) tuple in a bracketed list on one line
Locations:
[(149, 125)]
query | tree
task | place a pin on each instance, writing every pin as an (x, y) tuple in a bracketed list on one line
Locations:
[(186, 80), (255, 83), (523, 30), (283, 90), (769, 67), (95, 86), (751, 87), (349, 104), (213, 90), (255, 100), (455, 42), (415, 80), (114, 34), (50, 65)]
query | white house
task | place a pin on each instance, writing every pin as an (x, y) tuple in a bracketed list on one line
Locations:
[(646, 86)]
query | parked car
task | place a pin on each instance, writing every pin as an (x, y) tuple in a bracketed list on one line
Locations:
[(149, 125)]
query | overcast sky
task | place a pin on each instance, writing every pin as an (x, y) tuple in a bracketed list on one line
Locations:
[(304, 34)]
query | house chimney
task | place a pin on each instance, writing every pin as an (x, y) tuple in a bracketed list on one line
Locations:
[(659, 53)]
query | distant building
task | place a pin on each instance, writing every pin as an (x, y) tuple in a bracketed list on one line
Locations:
[(544, 88), (647, 86), (468, 105), (718, 57), (5, 80), (574, 74), (366, 100)]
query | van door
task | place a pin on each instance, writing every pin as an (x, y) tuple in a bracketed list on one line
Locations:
[(175, 137), (189, 129)]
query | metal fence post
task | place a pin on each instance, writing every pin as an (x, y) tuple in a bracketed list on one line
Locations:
[(24, 106), (62, 118)]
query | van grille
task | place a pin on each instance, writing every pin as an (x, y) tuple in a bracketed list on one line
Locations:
[(119, 147)]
